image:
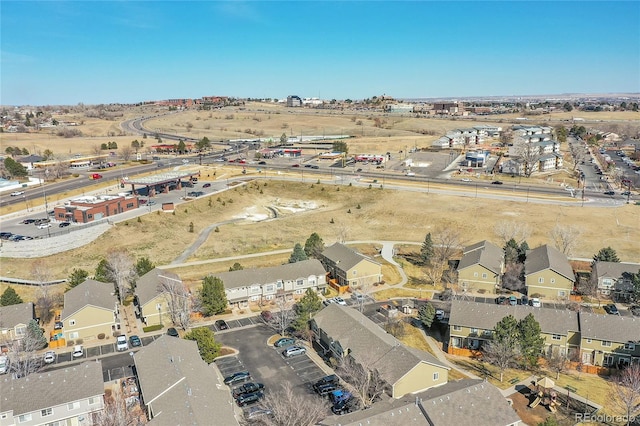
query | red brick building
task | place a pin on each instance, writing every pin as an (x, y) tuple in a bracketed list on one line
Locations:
[(89, 208)]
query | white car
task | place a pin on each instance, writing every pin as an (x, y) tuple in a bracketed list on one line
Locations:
[(49, 357), (121, 343), (466, 180), (535, 303), (77, 351), (340, 301), (44, 226), (16, 193)]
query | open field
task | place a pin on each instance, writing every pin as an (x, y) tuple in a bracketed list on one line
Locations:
[(384, 215)]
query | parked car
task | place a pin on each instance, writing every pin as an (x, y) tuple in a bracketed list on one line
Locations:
[(17, 193), (612, 309), (635, 310), (294, 351), (525, 300), (325, 389), (330, 379), (327, 302), (237, 377), (513, 301), (249, 398), (253, 413), (64, 224), (358, 297), (345, 406), (284, 341), (121, 343), (206, 185), (266, 316), (44, 226), (295, 165), (247, 388), (339, 395), (626, 193), (222, 325), (501, 300), (262, 163), (609, 193), (439, 315), (535, 302), (171, 331), (77, 351), (49, 357), (135, 341), (340, 301), (28, 221), (58, 325)]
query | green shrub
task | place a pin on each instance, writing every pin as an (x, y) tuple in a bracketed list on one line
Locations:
[(152, 328)]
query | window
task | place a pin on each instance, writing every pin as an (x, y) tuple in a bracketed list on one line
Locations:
[(556, 337), (73, 405), (355, 272), (74, 335), (606, 343), (552, 280), (129, 205), (279, 284), (630, 346), (24, 418), (46, 412), (475, 275), (474, 331), (541, 280), (457, 328), (93, 401), (89, 216), (269, 297), (298, 291), (436, 376), (589, 340), (270, 288), (300, 283), (72, 322), (608, 360), (484, 275), (562, 293)]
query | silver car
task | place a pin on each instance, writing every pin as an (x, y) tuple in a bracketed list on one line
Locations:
[(293, 351)]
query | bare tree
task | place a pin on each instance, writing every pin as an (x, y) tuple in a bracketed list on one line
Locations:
[(23, 356), (363, 378), (507, 230), (446, 242), (44, 298), (626, 391), (577, 153), (530, 155), (178, 299), (512, 277), (121, 270), (281, 318), (500, 354), (95, 149), (60, 169), (434, 272), (289, 407), (565, 238), (116, 412), (126, 152), (557, 363)]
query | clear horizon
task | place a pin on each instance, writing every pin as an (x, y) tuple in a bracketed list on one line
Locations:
[(65, 53)]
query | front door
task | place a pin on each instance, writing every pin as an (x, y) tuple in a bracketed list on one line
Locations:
[(587, 358)]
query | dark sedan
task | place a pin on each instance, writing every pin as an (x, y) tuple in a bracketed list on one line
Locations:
[(135, 341), (238, 377), (222, 325)]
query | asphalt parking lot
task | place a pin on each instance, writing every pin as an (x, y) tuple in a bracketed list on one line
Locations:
[(266, 363)]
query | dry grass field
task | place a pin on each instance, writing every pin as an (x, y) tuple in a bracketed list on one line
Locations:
[(306, 208)]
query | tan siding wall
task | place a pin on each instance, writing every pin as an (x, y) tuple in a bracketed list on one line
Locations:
[(548, 289), (366, 273), (476, 283), (150, 311), (420, 378), (89, 322)]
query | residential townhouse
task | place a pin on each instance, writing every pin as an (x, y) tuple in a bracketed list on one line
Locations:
[(345, 332), (90, 310), (264, 284), (152, 302), (67, 396), (455, 403), (481, 267), (609, 340), (14, 320), (178, 388), (612, 277), (349, 268), (548, 274), (471, 325)]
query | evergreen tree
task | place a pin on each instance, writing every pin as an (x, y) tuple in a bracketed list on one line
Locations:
[(10, 297), (102, 272), (298, 254), (426, 251), (36, 335), (144, 265), (207, 346), (314, 246), (426, 314), (511, 251), (182, 147), (77, 276), (531, 341), (522, 252), (14, 168), (305, 308), (606, 254), (236, 267), (212, 296), (506, 331)]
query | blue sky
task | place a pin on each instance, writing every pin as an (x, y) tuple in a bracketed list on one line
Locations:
[(58, 52)]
